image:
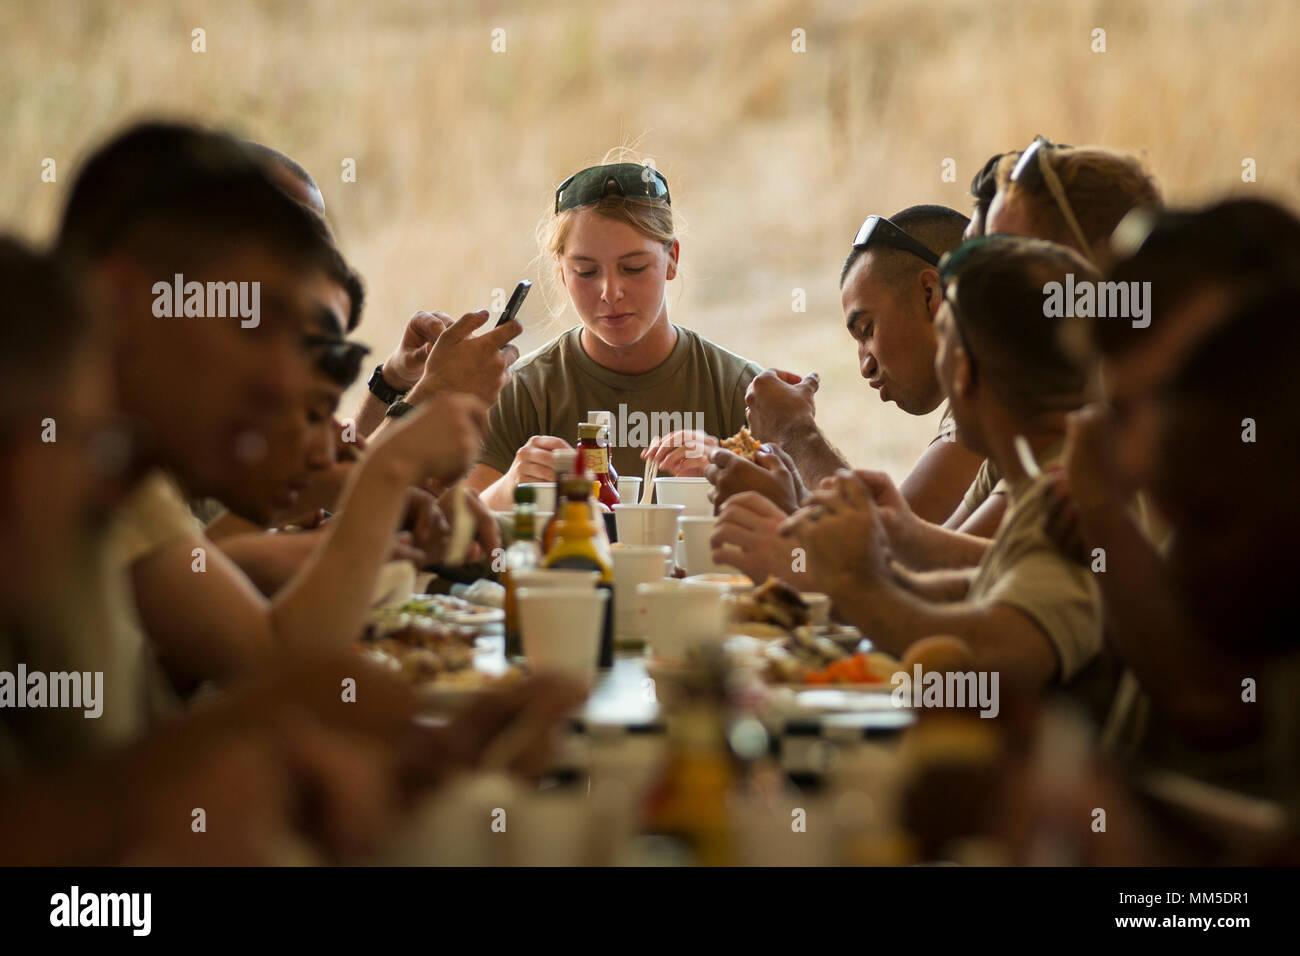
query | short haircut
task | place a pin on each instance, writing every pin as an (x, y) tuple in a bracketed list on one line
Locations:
[(282, 167), (1101, 185), (1241, 245), (338, 269), (181, 194), (1021, 352), (938, 228), (41, 321)]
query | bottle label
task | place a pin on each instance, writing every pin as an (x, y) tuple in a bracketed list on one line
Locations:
[(595, 460)]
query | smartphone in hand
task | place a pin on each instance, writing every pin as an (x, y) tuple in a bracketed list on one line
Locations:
[(516, 300)]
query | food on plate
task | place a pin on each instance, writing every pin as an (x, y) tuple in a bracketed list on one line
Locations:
[(807, 657), (773, 602), (429, 638), (742, 443), (422, 649)]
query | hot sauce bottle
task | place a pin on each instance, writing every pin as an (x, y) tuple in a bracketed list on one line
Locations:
[(606, 421), (594, 452)]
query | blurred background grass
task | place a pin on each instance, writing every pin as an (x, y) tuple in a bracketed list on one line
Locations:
[(774, 156)]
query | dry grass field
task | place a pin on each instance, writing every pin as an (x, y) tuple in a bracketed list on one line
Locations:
[(774, 156)]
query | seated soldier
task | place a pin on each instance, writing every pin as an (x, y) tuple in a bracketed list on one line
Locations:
[(1026, 611), (129, 221)]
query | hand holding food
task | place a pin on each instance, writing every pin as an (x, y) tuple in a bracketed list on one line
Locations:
[(487, 535), (760, 469)]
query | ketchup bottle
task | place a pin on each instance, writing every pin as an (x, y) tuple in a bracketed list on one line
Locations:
[(594, 453), (606, 421)]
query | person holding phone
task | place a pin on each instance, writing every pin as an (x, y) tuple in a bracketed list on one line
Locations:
[(437, 355), (672, 391)]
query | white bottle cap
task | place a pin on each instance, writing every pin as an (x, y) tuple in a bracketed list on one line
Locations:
[(606, 422), (565, 459)]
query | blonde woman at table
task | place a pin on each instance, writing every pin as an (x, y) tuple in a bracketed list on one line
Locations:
[(673, 392)]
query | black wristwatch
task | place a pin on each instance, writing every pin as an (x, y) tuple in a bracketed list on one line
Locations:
[(381, 389), (398, 409)]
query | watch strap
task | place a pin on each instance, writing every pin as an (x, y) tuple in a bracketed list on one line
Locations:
[(381, 389)]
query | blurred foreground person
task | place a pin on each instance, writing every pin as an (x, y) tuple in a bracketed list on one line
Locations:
[(130, 227), (1199, 265), (284, 769), (1234, 568)]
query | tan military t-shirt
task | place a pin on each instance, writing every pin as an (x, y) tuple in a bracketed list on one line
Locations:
[(154, 516), (94, 631), (1024, 570), (988, 482), (700, 385), (98, 630)]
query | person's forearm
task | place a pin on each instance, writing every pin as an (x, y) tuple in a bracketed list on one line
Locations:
[(227, 525), (928, 547), (325, 603), (895, 618), (271, 560), (815, 457), (945, 585), (496, 490), (1155, 637), (370, 414)]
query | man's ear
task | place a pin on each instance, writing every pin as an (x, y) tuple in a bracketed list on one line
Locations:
[(932, 290), (674, 251)]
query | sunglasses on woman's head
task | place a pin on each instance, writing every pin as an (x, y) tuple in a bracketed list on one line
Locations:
[(886, 232), (631, 180), (1033, 169)]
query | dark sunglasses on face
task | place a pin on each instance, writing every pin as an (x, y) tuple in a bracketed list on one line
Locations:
[(884, 231), (592, 184), (338, 359)]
